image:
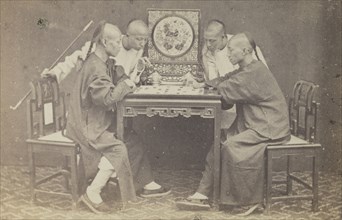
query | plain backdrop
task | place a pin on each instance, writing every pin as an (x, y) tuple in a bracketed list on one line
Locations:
[(299, 39)]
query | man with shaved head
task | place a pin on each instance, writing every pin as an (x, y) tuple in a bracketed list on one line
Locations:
[(262, 119), (215, 61), (214, 51), (89, 124), (89, 119), (133, 44)]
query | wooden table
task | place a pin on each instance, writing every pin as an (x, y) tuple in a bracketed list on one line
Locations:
[(205, 105)]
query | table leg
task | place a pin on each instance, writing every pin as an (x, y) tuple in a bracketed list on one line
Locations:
[(120, 121), (217, 156), (128, 124)]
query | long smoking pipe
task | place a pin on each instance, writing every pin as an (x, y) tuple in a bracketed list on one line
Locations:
[(54, 63)]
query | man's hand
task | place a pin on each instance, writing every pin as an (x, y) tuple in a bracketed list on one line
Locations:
[(140, 66), (198, 85), (130, 83), (147, 61), (46, 73), (134, 76)]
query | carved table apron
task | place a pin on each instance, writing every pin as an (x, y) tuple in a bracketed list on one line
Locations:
[(207, 105)]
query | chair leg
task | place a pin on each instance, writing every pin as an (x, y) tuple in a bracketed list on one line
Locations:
[(268, 181), (288, 178), (66, 177), (315, 184), (74, 183), (32, 168)]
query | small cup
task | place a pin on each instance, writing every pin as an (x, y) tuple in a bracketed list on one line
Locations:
[(155, 78)]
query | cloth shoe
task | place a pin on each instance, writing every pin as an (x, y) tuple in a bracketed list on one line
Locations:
[(162, 191), (193, 204), (101, 208), (250, 210)]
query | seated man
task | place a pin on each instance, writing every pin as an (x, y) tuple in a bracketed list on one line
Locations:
[(214, 52), (133, 44), (89, 121), (262, 118), (215, 61)]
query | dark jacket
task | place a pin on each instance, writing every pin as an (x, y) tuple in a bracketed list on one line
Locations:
[(90, 116)]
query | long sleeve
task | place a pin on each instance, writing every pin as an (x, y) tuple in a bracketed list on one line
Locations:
[(215, 82), (62, 69), (246, 85), (104, 93), (234, 87), (233, 91)]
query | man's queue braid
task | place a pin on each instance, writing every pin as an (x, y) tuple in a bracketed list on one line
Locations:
[(252, 43), (97, 35)]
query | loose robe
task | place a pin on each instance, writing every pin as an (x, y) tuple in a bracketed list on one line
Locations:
[(90, 117), (262, 118), (217, 64)]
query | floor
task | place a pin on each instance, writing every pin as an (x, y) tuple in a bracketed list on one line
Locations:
[(15, 199)]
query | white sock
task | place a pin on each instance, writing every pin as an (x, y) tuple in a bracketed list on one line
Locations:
[(198, 195), (114, 175), (94, 189), (152, 185), (94, 197)]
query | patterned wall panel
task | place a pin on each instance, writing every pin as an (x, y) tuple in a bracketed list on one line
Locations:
[(173, 45)]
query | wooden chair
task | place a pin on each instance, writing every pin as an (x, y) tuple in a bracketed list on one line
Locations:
[(46, 119), (303, 122)]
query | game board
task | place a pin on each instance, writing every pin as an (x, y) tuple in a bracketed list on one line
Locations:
[(169, 90)]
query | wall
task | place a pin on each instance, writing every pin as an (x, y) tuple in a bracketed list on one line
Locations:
[(300, 40)]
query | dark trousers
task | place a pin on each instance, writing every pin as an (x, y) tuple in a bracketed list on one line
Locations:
[(138, 158)]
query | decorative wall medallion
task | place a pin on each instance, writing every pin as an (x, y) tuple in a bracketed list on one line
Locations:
[(173, 44), (173, 36)]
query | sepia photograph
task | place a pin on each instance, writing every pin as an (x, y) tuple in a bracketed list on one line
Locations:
[(171, 109)]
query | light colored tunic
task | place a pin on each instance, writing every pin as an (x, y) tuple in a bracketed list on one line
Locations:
[(90, 118), (128, 59)]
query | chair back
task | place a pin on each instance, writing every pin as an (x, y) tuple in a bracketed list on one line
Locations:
[(46, 111), (303, 109)]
